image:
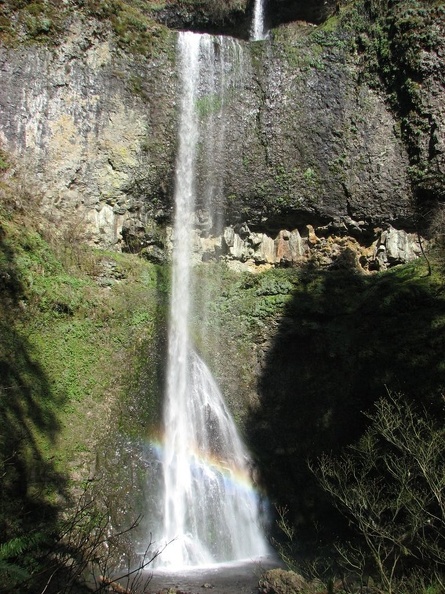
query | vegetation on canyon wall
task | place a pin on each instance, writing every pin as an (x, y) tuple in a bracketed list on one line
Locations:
[(79, 333), (46, 22), (138, 25), (82, 338), (312, 351), (347, 406), (400, 43)]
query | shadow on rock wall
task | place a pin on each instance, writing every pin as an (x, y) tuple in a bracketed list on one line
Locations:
[(28, 417), (344, 339)]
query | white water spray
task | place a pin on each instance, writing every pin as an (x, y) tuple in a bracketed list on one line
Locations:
[(258, 31), (210, 507)]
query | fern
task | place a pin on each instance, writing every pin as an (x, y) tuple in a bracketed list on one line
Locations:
[(17, 546), (11, 571)]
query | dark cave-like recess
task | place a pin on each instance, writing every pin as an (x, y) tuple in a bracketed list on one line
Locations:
[(279, 12), (237, 22)]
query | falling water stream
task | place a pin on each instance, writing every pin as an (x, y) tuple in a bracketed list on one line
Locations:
[(258, 30), (211, 510)]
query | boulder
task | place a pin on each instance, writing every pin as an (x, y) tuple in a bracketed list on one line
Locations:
[(397, 246), (281, 581)]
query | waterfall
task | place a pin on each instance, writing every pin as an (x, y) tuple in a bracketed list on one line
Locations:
[(258, 31), (210, 506)]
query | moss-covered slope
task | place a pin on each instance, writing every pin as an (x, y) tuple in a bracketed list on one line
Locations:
[(80, 333)]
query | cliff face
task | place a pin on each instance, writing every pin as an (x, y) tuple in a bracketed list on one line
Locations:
[(310, 148), (333, 146), (312, 141), (83, 123), (413, 67)]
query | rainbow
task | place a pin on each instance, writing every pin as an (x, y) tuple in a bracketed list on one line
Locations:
[(235, 477)]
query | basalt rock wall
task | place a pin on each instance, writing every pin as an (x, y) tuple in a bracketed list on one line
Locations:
[(307, 141), (92, 129)]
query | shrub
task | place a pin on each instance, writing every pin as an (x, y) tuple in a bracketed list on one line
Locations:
[(391, 486)]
